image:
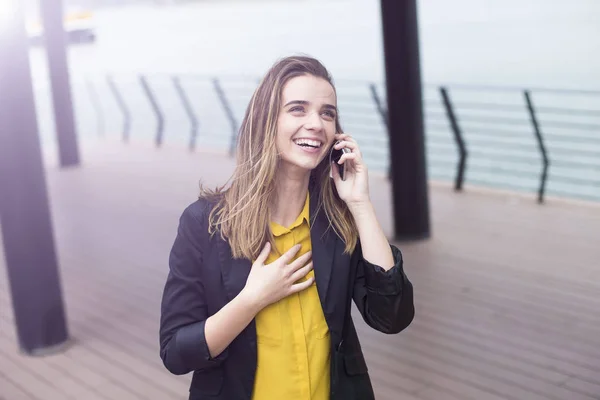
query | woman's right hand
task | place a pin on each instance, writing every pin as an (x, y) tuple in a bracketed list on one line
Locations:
[(269, 283)]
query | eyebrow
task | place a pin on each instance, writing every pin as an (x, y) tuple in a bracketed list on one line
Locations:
[(305, 103)]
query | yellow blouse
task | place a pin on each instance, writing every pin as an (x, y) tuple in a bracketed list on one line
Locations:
[(292, 334)]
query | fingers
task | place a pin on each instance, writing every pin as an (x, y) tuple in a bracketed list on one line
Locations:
[(302, 285), (264, 254), (346, 144), (301, 272), (288, 255), (299, 262), (348, 156)]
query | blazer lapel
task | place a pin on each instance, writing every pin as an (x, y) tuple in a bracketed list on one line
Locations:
[(323, 242), (234, 271)]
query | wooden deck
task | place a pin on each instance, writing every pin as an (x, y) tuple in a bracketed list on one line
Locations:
[(507, 292)]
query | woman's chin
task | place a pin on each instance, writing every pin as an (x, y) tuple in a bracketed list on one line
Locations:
[(298, 167)]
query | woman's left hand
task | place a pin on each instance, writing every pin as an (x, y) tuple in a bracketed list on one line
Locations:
[(355, 189)]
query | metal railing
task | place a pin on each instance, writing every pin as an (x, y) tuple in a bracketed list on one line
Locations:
[(518, 138), (494, 136)]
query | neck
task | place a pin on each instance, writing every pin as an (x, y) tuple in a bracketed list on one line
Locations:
[(290, 196)]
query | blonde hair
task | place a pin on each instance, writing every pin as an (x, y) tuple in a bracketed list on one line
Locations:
[(242, 212)]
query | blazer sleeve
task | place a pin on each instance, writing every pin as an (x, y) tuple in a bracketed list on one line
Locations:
[(183, 345), (384, 298)]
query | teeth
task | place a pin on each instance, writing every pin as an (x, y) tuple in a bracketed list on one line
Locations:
[(308, 142)]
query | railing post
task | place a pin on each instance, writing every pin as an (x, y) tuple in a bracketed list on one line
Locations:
[(189, 110), (229, 113), (458, 138), (122, 106), (160, 120), (542, 148), (96, 104)]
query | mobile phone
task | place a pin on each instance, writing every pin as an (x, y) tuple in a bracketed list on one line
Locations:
[(335, 155)]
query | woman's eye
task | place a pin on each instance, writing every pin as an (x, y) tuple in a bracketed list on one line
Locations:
[(296, 109), (329, 114)]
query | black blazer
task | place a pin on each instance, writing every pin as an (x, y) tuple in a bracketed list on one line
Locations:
[(203, 277)]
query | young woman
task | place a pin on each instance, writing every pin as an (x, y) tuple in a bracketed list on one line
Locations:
[(258, 298)]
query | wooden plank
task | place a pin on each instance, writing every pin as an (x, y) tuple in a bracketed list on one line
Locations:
[(10, 391), (503, 378), (593, 389), (100, 359), (436, 394), (27, 380), (473, 314), (421, 373), (513, 349)]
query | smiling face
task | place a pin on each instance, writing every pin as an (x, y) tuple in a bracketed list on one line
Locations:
[(306, 124)]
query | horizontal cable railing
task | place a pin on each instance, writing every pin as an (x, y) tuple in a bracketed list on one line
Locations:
[(538, 140)]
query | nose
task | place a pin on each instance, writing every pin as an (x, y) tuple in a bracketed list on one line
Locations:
[(314, 122)]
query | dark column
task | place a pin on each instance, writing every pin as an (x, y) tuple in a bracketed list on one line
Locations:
[(407, 147), (55, 41), (24, 213)]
